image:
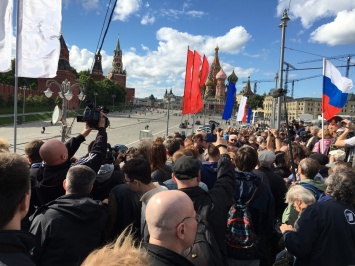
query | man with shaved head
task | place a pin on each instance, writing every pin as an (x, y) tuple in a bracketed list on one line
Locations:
[(172, 224), (56, 161)]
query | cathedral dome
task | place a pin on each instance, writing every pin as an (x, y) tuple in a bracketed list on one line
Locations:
[(221, 75), (209, 82), (233, 77)]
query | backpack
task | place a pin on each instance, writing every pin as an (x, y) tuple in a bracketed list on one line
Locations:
[(205, 250), (316, 192), (241, 239)]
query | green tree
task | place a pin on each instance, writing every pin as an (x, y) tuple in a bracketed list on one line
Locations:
[(2, 102), (10, 100), (9, 78), (255, 101)]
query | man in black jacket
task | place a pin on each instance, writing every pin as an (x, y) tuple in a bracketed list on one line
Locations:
[(35, 161), (186, 174), (276, 183), (15, 193), (71, 226), (56, 157), (172, 224)]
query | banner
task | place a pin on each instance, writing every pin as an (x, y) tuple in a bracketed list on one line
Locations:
[(6, 11), (335, 90), (196, 97), (38, 45), (228, 108), (186, 108), (241, 110)]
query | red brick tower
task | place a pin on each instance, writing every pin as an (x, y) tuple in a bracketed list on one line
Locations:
[(116, 73), (97, 73)]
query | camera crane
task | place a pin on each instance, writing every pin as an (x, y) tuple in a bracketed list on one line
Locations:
[(258, 81), (296, 80), (348, 56), (288, 66)]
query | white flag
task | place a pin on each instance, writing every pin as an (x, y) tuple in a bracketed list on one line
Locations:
[(241, 110), (6, 10), (38, 36)]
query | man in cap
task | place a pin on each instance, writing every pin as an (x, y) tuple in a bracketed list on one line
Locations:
[(276, 183), (335, 156), (186, 173)]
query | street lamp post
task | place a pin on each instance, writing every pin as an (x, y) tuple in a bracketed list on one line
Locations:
[(95, 94), (283, 26), (66, 94), (113, 102), (24, 88), (168, 97)]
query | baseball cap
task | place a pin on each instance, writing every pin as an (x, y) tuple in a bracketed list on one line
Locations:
[(267, 157), (339, 155), (186, 167)]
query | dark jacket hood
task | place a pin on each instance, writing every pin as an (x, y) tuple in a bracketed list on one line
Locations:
[(246, 183), (211, 167), (23, 240), (79, 206)]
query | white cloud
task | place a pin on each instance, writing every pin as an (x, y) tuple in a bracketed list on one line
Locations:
[(340, 31), (147, 20), (195, 13), (126, 8), (145, 48), (162, 67), (311, 11), (90, 4), (83, 59)]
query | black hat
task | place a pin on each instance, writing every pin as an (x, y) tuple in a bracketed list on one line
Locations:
[(186, 167), (322, 159)]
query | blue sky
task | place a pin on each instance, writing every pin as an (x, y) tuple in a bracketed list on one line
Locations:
[(154, 36)]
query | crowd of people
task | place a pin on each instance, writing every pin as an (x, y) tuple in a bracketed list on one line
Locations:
[(153, 203)]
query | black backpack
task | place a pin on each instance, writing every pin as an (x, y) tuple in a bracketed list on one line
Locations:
[(205, 250), (241, 239)]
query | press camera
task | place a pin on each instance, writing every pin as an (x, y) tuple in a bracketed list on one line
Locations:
[(92, 115)]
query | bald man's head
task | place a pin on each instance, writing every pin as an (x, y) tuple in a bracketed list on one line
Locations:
[(170, 217), (53, 152)]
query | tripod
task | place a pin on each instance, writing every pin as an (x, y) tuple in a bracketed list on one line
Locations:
[(282, 93)]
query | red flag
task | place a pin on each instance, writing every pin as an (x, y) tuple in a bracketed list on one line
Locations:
[(186, 108), (196, 98), (204, 71), (245, 113)]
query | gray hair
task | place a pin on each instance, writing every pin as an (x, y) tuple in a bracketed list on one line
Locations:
[(298, 192), (79, 179), (315, 128), (341, 186), (259, 139), (309, 167)]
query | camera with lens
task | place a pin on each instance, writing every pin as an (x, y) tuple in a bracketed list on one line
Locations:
[(305, 136), (92, 115)]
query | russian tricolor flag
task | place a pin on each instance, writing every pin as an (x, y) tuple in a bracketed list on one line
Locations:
[(335, 90)]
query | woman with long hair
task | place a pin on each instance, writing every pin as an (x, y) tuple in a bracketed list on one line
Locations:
[(160, 171), (327, 138)]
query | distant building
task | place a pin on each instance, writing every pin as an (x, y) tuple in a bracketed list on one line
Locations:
[(117, 73)]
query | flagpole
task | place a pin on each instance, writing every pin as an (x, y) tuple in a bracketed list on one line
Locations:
[(16, 73), (283, 26), (322, 142)]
